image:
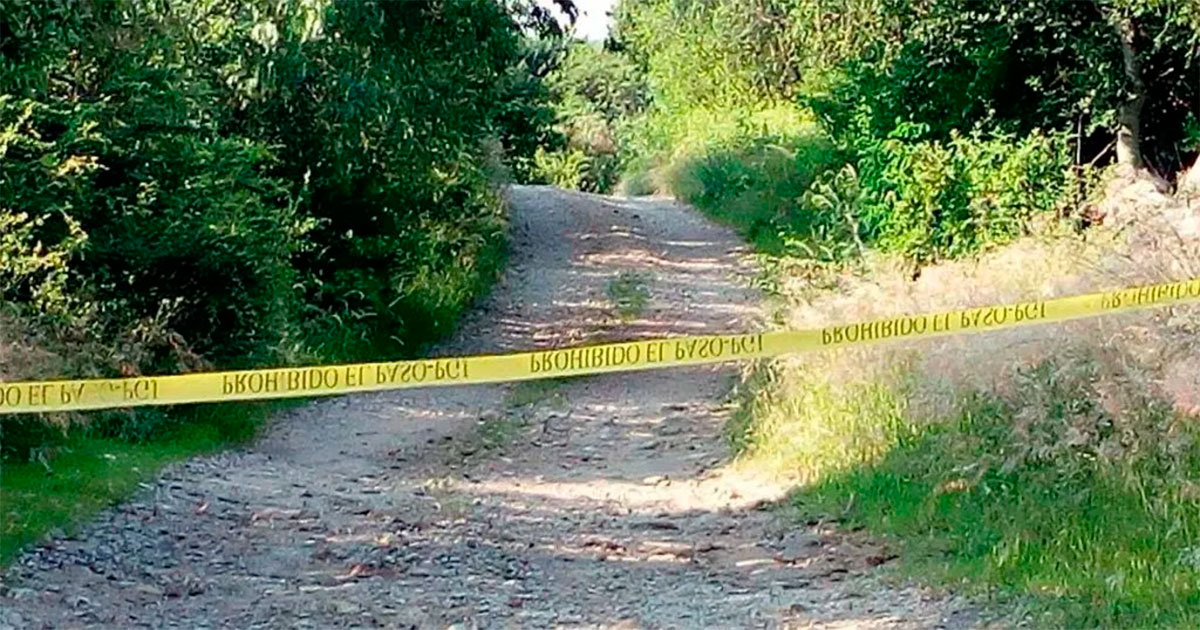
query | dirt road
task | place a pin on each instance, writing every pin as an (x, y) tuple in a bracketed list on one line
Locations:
[(600, 502)]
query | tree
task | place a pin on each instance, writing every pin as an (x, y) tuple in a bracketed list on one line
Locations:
[(1110, 71), (1129, 110)]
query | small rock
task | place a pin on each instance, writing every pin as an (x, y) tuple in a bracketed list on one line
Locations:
[(149, 589), (10, 620), (343, 607), (878, 559), (798, 546), (23, 594)]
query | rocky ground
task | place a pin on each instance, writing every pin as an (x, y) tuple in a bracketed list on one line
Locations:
[(599, 502)]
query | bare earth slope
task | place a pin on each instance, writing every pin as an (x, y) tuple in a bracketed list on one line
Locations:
[(596, 503)]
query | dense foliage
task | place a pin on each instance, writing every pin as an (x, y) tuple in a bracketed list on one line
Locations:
[(594, 91), (207, 182), (932, 129)]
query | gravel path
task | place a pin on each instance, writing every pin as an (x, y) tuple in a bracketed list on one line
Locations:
[(599, 502)]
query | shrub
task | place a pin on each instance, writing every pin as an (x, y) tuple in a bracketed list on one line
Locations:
[(186, 185), (929, 200), (575, 169), (755, 181), (132, 207), (386, 124), (595, 89)]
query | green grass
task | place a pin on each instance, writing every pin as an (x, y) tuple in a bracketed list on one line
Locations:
[(637, 183), (496, 431), (629, 293), (1043, 499), (1085, 552), (749, 170), (529, 393), (84, 474)]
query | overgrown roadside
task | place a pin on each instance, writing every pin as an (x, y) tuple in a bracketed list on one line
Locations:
[(67, 482), (599, 502), (191, 186), (1055, 467)]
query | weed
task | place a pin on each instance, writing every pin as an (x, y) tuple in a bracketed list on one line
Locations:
[(531, 393), (636, 183), (498, 430), (450, 503), (629, 293), (798, 424)]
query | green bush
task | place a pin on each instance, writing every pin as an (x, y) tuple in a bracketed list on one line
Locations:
[(390, 147), (918, 101), (134, 208), (576, 169), (187, 185), (929, 200), (595, 90), (756, 180)]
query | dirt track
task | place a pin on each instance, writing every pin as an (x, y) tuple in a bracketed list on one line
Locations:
[(596, 503)]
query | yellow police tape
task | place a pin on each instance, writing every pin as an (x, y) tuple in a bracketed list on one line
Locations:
[(71, 395)]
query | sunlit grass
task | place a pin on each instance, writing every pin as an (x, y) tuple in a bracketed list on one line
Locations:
[(1079, 514), (85, 474)]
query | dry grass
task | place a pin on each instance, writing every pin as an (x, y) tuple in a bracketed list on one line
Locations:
[(1056, 463)]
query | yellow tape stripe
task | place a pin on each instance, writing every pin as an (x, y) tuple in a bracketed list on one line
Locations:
[(73, 395)]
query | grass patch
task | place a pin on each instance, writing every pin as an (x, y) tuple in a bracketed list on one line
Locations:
[(796, 423), (497, 431), (1075, 492), (530, 393), (637, 183), (629, 293), (84, 474), (754, 182)]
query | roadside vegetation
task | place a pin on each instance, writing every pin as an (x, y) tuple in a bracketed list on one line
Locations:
[(1052, 469), (891, 157), (198, 185), (195, 185)]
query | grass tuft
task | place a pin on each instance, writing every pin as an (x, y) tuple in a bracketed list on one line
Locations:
[(629, 293)]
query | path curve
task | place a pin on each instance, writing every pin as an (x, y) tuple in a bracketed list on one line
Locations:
[(600, 502)]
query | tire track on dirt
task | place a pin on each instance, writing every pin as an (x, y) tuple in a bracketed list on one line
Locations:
[(600, 502)]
